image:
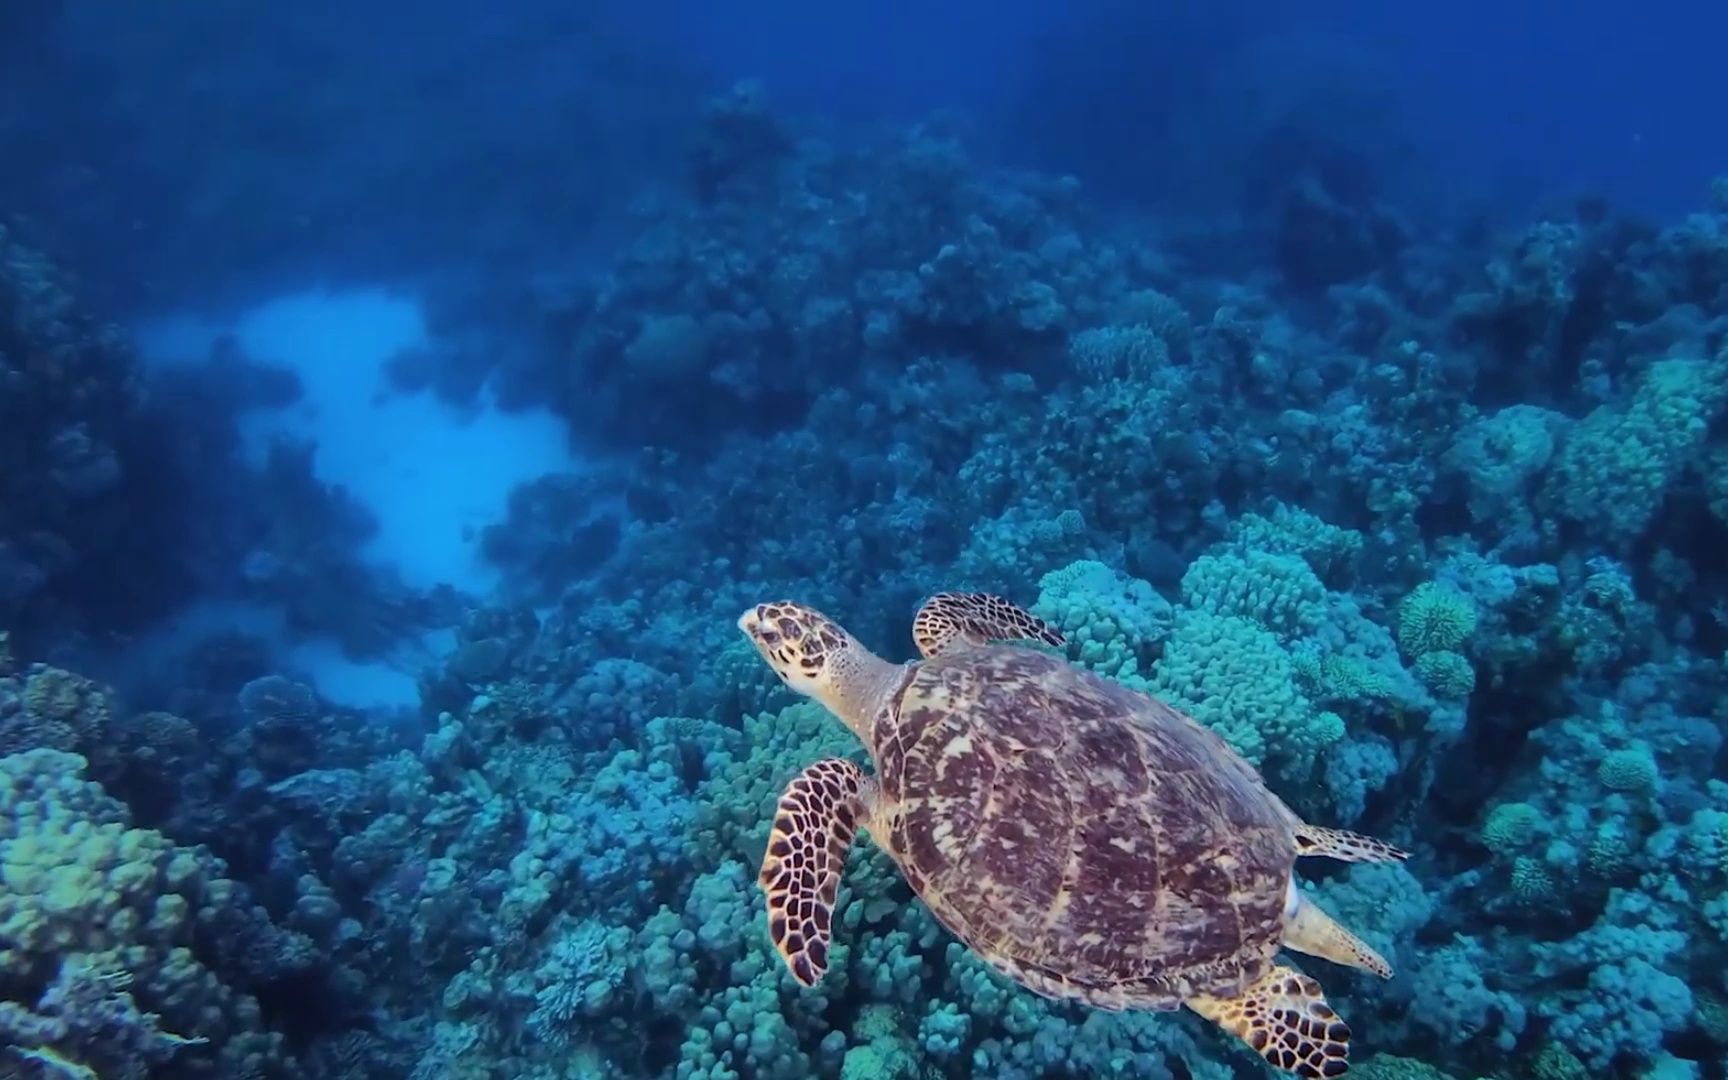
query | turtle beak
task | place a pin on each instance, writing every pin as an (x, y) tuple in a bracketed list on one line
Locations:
[(760, 632), (751, 624)]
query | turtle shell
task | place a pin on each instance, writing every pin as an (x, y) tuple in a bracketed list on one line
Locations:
[(1088, 839)]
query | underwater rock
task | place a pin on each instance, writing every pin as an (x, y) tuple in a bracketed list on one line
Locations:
[(480, 661)]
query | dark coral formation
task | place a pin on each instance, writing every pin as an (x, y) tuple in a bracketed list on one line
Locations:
[(85, 518)]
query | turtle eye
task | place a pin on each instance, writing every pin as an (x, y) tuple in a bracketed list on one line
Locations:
[(769, 637)]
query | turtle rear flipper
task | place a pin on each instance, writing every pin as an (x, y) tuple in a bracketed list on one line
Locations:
[(949, 618), (1284, 1017), (1309, 929), (1345, 846), (818, 815)]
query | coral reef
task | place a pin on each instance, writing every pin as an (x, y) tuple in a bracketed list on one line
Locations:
[(1438, 545)]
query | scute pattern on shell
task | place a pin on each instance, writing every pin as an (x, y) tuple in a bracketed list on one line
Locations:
[(1063, 825)]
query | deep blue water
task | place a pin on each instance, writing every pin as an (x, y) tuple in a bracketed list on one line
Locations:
[(404, 409), (1538, 96)]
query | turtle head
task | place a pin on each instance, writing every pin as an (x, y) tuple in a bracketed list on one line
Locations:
[(816, 658)]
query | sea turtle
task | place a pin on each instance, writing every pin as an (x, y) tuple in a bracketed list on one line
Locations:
[(1084, 839)]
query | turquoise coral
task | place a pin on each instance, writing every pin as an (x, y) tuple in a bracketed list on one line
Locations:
[(1501, 457), (1629, 769), (1448, 674), (1435, 617), (1511, 827), (1113, 622), (1233, 676), (1617, 462), (1280, 592)]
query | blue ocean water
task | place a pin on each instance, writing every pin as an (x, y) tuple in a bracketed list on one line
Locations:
[(404, 408)]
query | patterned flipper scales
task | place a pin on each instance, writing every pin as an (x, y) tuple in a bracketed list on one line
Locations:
[(977, 619), (1283, 1015), (818, 815), (1345, 846)]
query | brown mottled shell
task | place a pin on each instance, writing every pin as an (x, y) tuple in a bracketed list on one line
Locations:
[(1087, 839)]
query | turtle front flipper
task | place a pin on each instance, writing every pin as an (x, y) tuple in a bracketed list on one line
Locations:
[(1284, 1017), (1345, 846), (818, 816), (950, 618)]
